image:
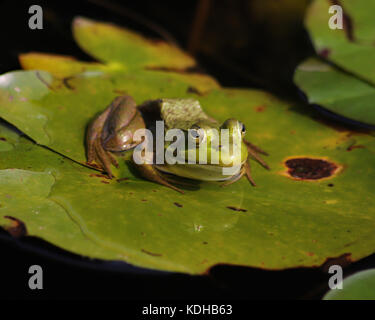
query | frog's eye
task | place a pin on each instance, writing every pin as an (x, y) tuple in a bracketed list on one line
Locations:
[(243, 128), (197, 134)]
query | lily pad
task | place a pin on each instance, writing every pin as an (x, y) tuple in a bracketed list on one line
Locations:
[(336, 91), (343, 81), (302, 212), (27, 176), (360, 286), (351, 48)]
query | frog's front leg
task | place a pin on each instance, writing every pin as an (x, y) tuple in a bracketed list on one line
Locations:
[(112, 131)]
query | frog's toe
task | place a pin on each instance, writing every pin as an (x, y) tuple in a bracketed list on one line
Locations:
[(255, 148), (90, 149), (248, 173), (149, 172), (254, 152), (103, 158), (112, 159)]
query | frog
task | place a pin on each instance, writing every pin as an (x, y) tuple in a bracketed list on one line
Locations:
[(112, 133)]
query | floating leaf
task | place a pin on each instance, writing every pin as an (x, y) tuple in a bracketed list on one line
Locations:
[(337, 91), (345, 83), (360, 286), (109, 43), (352, 48), (25, 187)]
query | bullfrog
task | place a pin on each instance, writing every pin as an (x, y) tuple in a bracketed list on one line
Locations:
[(112, 133)]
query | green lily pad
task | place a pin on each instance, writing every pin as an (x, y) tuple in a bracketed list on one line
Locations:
[(352, 48), (298, 216), (360, 286), (27, 175), (336, 91), (343, 82)]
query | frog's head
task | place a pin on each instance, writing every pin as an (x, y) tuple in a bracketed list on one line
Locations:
[(211, 148), (237, 153)]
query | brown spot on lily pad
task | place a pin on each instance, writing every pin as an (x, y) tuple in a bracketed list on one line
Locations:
[(151, 253), (347, 21), (17, 228), (236, 209), (188, 70), (178, 204), (98, 175), (355, 146), (325, 52), (310, 169), (92, 165), (343, 261), (260, 108), (310, 254)]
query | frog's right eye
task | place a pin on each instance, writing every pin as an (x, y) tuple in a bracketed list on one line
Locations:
[(197, 134), (243, 128)]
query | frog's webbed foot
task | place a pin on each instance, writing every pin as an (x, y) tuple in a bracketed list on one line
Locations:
[(254, 152), (149, 172)]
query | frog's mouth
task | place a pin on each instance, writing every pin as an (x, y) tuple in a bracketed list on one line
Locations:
[(204, 172)]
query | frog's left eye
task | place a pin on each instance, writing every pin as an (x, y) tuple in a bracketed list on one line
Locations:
[(198, 134)]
